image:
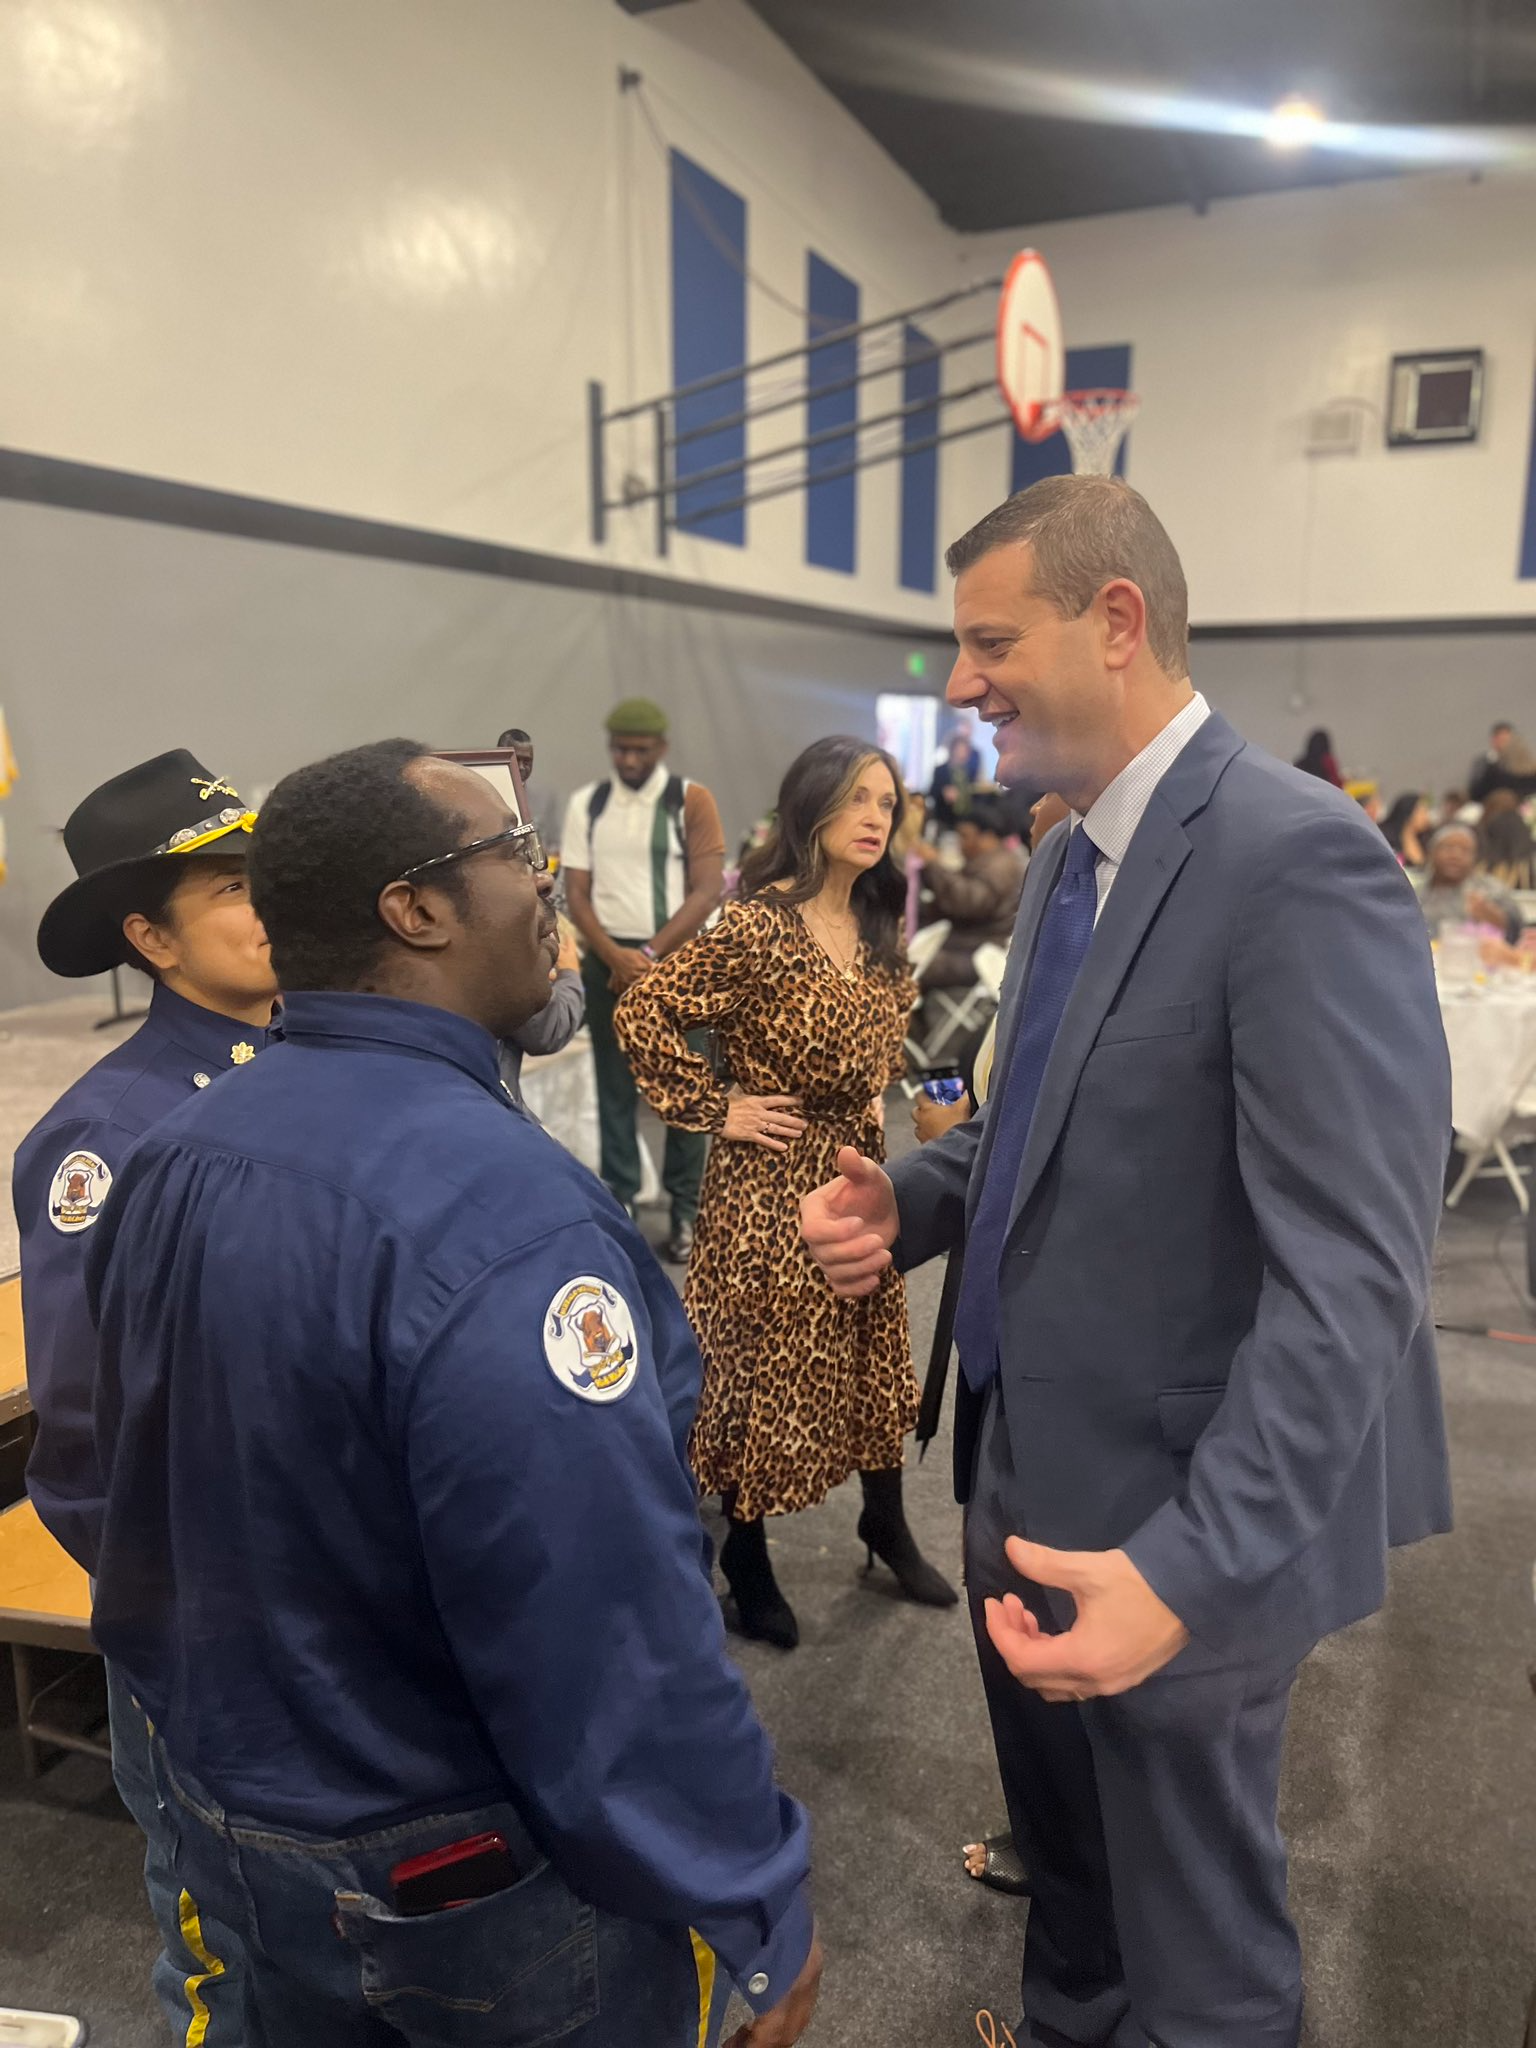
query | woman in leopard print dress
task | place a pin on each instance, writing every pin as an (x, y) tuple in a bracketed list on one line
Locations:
[(805, 984)]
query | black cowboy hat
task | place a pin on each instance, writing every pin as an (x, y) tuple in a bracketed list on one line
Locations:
[(162, 810)]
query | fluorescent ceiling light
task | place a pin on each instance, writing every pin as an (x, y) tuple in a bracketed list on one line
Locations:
[(1294, 124), (908, 64)]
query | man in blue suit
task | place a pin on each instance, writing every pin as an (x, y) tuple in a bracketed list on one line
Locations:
[(1199, 1393)]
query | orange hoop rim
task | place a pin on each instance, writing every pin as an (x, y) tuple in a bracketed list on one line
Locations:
[(1096, 403), (1095, 423)]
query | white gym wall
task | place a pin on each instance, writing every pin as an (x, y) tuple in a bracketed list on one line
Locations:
[(1243, 321), (365, 254)]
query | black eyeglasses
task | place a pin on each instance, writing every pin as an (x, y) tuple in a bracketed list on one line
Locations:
[(524, 838)]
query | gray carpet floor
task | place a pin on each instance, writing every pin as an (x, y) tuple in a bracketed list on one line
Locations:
[(1410, 1795)]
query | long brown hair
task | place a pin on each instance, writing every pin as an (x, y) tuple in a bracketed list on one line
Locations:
[(791, 867)]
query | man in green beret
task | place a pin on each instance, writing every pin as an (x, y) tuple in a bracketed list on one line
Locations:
[(643, 855)]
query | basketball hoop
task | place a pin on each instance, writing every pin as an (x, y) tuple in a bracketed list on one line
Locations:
[(1030, 356), (1095, 423), (1031, 365)]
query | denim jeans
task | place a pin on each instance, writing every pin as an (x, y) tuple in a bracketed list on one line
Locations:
[(198, 1975), (327, 1963)]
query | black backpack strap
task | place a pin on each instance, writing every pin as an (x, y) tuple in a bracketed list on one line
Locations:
[(673, 797), (597, 803)]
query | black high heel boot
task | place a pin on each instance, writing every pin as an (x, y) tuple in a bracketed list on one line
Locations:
[(761, 1609), (884, 1533)]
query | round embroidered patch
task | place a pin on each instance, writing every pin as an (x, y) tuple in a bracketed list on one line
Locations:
[(589, 1339), (78, 1191)]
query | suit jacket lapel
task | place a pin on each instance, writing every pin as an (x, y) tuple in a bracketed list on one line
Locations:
[(1159, 849), (1044, 871)]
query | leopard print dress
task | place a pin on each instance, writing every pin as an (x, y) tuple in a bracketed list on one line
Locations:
[(800, 1389)]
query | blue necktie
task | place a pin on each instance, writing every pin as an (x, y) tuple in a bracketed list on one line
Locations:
[(1065, 931)]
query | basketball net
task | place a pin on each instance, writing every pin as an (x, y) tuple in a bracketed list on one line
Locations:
[(1095, 423)]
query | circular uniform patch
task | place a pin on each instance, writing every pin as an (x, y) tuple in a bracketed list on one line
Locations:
[(78, 1191), (589, 1339)]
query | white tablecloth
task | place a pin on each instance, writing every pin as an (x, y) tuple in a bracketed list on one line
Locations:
[(561, 1090), (1491, 1031)]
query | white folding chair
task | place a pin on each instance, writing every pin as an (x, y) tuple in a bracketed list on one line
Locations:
[(963, 1011), (925, 946), (991, 965)]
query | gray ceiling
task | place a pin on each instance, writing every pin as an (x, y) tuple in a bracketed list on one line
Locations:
[(957, 90)]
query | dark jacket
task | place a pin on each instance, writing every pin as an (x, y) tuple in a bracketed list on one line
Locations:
[(393, 1405), (550, 1031), (1216, 1337), (981, 900)]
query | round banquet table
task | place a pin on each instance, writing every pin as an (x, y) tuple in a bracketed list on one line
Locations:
[(561, 1091), (1490, 1028)]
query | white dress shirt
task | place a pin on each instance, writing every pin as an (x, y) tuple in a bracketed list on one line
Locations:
[(1113, 818)]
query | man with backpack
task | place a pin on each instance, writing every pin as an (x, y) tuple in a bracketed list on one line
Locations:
[(643, 854)]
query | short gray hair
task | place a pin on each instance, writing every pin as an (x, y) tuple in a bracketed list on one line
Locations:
[(1085, 532)]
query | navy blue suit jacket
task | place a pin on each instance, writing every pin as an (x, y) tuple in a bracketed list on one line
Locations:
[(1216, 1343)]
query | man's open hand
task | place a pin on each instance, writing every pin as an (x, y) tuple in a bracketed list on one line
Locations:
[(850, 1224), (1122, 1634)]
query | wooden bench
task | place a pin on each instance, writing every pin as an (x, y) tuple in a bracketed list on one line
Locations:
[(45, 1604), (45, 1598), (13, 1355)]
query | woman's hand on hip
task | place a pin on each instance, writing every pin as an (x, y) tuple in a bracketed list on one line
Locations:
[(773, 1121)]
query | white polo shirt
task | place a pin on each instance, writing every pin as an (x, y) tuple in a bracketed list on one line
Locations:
[(639, 874)]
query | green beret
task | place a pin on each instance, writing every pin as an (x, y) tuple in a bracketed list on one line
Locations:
[(638, 717)]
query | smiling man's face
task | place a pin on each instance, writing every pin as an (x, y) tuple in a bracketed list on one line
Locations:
[(1036, 678)]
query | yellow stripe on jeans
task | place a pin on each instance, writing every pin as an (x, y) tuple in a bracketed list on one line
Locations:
[(704, 1963), (192, 1935)]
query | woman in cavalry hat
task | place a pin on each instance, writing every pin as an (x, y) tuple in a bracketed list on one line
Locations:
[(159, 857)]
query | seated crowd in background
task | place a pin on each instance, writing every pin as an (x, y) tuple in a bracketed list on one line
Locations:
[(1454, 888), (1470, 860), (979, 900), (1508, 763)]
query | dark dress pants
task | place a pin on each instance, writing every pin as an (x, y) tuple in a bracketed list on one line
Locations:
[(1148, 1825)]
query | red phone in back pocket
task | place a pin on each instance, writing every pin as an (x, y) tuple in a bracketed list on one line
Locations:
[(452, 1876)]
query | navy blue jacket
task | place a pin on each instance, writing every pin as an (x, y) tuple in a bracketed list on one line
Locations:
[(1216, 1337), (392, 1411), (64, 1167)]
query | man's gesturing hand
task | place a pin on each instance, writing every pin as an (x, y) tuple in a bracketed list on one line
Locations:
[(1122, 1634), (789, 2019), (850, 1224)]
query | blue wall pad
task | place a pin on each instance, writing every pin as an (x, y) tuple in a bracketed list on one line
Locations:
[(831, 508), (1528, 530), (709, 334), (919, 472)]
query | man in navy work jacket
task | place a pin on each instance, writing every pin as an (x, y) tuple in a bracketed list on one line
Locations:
[(401, 1550), (159, 857), (1199, 1396)]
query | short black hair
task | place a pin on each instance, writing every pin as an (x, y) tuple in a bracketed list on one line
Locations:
[(328, 839), (146, 891), (986, 815), (514, 736)]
